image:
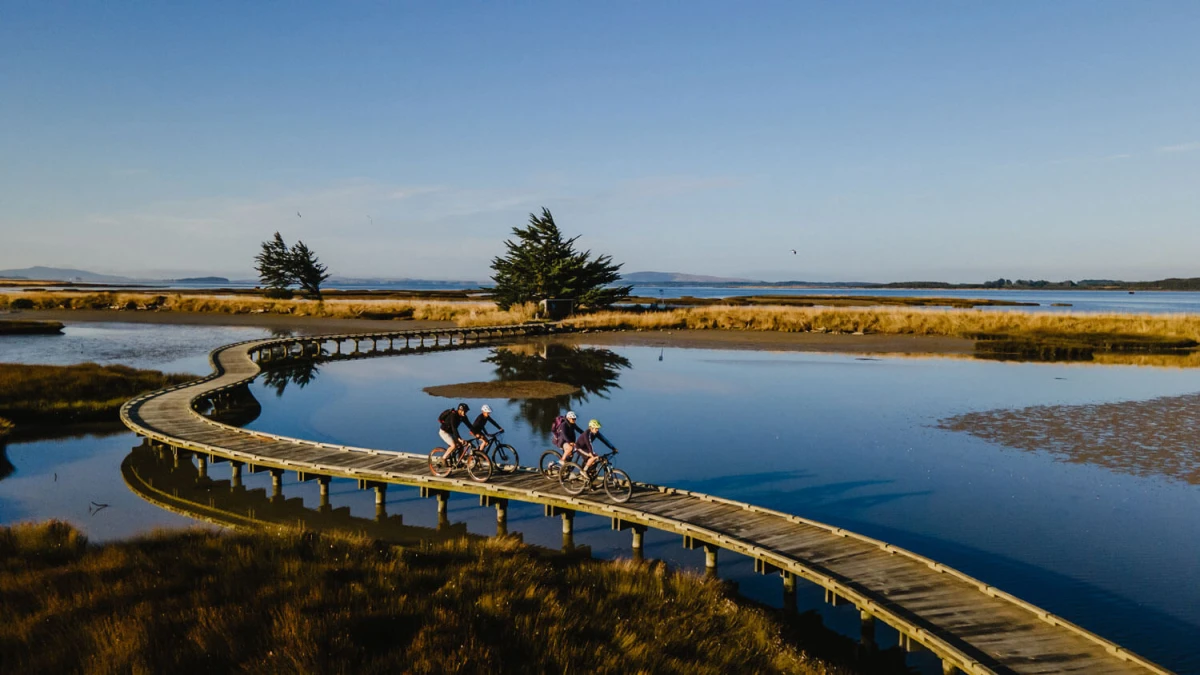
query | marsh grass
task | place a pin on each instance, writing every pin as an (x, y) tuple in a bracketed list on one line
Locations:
[(296, 602), (466, 313), (79, 393), (30, 327), (6, 427)]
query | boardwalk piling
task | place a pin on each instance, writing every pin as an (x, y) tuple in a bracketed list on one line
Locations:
[(323, 482), (789, 590), (276, 484), (867, 630), (201, 466), (948, 668), (710, 560), (235, 475)]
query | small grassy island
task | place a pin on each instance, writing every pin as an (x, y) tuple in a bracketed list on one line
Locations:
[(198, 601), (9, 327), (42, 395)]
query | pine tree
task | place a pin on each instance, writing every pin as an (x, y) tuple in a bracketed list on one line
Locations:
[(274, 265), (542, 265), (307, 269)]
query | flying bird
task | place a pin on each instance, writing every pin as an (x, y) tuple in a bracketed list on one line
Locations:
[(298, 215), (793, 251)]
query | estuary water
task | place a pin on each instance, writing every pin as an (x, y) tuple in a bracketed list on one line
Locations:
[(1093, 511)]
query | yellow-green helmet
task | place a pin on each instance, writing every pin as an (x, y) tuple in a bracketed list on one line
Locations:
[(594, 424)]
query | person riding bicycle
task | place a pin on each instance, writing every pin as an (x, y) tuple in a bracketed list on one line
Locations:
[(448, 423), (565, 431), (480, 426), (584, 443)]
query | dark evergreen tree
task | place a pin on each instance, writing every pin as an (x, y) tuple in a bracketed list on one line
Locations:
[(307, 269), (274, 264), (542, 265)]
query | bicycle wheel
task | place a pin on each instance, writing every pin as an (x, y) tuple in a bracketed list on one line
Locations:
[(438, 465), (505, 458), (550, 463), (479, 467), (572, 478), (617, 485)]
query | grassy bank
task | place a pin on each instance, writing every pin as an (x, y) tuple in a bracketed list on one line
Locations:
[(30, 327), (79, 393), (476, 313), (292, 602)]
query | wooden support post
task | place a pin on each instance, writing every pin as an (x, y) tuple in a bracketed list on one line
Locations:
[(175, 457), (380, 493), (763, 567), (568, 521), (909, 644), (235, 475), (867, 630), (789, 590), (832, 598), (323, 481), (710, 560), (639, 543), (337, 346), (948, 668), (201, 466)]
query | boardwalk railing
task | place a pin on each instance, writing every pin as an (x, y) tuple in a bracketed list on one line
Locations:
[(971, 626)]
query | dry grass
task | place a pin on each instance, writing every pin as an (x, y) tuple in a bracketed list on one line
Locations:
[(466, 313), (87, 391), (898, 321), (6, 427), (292, 602)]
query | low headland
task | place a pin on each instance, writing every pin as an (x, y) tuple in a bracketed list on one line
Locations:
[(289, 601)]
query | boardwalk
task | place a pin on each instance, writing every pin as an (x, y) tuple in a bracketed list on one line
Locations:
[(972, 627)]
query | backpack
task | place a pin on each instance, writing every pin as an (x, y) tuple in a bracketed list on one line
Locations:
[(557, 427), (445, 418)]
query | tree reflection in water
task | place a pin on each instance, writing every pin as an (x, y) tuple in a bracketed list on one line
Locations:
[(300, 373), (595, 371)]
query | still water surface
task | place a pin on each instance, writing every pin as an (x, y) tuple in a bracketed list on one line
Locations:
[(848, 441)]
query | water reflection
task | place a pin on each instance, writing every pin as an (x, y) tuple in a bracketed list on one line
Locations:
[(595, 371), (31, 433), (1142, 438), (178, 485), (300, 372)]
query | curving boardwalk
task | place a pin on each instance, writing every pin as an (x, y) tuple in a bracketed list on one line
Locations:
[(972, 627)]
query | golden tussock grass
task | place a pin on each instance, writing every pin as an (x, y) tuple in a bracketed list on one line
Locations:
[(6, 427), (898, 321), (86, 391), (295, 602), (466, 313)]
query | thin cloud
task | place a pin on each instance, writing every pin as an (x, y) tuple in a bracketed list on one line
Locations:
[(1182, 147)]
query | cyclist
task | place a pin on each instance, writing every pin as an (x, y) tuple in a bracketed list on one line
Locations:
[(480, 426), (584, 443), (565, 431), (448, 423)]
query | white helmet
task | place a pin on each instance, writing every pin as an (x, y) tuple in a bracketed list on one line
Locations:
[(486, 409), (570, 414)]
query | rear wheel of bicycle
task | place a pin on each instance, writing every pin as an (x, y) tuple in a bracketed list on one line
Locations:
[(438, 463), (505, 458), (479, 467), (550, 463), (617, 485), (572, 478)]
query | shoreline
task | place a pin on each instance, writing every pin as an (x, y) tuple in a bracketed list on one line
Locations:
[(876, 343)]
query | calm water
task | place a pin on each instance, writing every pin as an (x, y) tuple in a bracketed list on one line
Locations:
[(848, 441), (1141, 302)]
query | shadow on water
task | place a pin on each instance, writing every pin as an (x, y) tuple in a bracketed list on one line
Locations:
[(595, 371)]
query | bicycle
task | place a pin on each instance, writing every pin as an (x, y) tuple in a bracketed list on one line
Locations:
[(616, 482), (503, 455), (478, 465), (550, 463)]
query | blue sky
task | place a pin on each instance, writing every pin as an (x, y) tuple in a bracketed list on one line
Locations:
[(884, 141)]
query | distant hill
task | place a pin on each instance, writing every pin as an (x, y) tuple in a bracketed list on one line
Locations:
[(202, 280), (63, 274), (676, 277)]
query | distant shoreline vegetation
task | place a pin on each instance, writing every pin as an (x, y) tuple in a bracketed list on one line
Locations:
[(1172, 284)]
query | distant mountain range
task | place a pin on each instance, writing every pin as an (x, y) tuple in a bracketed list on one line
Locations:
[(62, 274)]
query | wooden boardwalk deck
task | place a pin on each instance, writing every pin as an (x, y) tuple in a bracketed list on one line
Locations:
[(972, 627)]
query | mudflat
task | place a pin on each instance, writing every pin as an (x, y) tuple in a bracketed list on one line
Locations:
[(301, 324)]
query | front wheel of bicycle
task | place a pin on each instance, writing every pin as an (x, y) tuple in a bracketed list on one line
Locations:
[(617, 485), (479, 467), (573, 478), (550, 463), (505, 458), (439, 465)]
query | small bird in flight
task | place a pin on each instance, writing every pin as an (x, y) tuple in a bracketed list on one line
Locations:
[(793, 251), (298, 215)]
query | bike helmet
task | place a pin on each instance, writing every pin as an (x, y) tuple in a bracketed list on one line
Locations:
[(486, 409), (463, 407), (570, 414), (594, 424)]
